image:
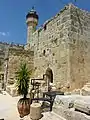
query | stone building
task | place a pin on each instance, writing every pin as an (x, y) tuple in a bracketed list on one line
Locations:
[(10, 60), (61, 45)]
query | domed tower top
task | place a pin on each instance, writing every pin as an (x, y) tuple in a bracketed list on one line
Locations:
[(32, 13), (32, 16)]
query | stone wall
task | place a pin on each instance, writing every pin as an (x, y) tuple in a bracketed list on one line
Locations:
[(15, 58), (63, 45), (79, 46), (51, 47), (3, 49)]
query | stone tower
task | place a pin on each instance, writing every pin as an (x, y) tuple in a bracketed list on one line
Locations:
[(63, 43), (31, 21)]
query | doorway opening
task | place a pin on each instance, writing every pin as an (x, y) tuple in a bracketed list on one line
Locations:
[(49, 73)]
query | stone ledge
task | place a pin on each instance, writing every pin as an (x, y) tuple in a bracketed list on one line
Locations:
[(66, 101), (70, 114), (82, 106)]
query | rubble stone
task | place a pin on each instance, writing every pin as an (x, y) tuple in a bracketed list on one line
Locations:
[(86, 89)]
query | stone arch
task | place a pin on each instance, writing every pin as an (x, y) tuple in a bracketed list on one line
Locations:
[(49, 73)]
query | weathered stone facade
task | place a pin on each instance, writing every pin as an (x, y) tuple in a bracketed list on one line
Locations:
[(11, 58), (62, 44), (16, 56)]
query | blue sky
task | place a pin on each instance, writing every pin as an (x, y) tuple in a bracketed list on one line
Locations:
[(13, 12)]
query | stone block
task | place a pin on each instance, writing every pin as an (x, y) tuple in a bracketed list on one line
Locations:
[(35, 111), (66, 101), (12, 90), (86, 89), (82, 106), (76, 92), (67, 93), (70, 114)]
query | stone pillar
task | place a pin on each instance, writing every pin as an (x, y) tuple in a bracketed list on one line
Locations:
[(5, 73), (35, 111)]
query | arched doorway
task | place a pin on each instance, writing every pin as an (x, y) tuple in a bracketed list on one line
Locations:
[(49, 73)]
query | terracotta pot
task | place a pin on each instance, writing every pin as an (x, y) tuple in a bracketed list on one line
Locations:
[(23, 106)]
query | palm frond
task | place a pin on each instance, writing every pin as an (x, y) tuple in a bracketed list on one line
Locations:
[(22, 83)]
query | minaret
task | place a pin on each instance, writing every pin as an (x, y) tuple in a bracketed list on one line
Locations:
[(31, 21)]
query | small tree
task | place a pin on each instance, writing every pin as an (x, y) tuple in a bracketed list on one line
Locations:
[(22, 83)]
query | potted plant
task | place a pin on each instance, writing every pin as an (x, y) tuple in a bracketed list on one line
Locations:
[(22, 83)]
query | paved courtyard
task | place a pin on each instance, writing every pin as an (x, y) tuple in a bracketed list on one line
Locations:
[(8, 109)]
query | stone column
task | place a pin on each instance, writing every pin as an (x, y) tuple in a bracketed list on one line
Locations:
[(35, 111), (5, 73)]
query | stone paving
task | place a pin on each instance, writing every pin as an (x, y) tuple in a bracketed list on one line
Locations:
[(8, 110)]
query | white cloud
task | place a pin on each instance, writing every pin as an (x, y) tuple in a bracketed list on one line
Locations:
[(8, 33), (4, 33)]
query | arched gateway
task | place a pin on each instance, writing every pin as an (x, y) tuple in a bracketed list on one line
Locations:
[(49, 73)]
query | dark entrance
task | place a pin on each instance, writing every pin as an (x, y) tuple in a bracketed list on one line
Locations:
[(49, 73)]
